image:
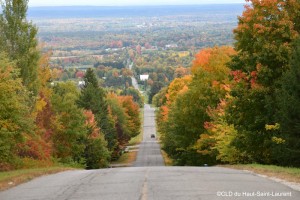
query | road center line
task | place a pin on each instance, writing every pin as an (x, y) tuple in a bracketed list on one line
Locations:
[(144, 195)]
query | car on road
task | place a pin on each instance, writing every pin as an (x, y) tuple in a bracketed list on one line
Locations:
[(152, 135)]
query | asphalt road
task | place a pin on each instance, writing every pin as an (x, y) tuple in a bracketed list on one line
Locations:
[(149, 151), (151, 183), (135, 83)]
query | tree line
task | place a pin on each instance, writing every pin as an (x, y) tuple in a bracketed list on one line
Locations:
[(241, 104), (41, 123)]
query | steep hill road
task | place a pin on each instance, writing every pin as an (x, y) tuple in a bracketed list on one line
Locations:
[(150, 180)]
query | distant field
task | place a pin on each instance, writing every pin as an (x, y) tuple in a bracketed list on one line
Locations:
[(150, 37), (84, 31)]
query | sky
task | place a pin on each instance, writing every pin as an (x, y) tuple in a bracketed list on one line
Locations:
[(126, 2)]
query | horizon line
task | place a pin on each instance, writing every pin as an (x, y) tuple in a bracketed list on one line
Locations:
[(135, 5)]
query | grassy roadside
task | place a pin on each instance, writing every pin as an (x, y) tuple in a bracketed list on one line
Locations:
[(168, 161), (125, 160), (284, 173), (12, 178)]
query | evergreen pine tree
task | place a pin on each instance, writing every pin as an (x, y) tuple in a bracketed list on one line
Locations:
[(288, 101), (93, 98), (90, 79)]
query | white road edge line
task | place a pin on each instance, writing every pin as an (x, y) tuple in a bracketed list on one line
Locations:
[(293, 185)]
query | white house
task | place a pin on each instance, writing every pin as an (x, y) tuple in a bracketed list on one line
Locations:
[(144, 77)]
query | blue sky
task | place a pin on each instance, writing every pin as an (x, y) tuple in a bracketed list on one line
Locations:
[(126, 2)]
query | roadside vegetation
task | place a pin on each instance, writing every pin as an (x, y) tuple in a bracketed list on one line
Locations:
[(43, 120), (13, 178), (125, 160), (167, 160), (241, 104)]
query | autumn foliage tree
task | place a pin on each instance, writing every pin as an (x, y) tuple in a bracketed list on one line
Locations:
[(182, 119), (15, 119), (120, 123), (42, 123), (264, 39), (132, 113), (43, 114), (126, 117), (18, 41)]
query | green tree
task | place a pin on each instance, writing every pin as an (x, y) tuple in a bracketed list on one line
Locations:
[(18, 40), (69, 138), (155, 88), (90, 79), (288, 115), (96, 153)]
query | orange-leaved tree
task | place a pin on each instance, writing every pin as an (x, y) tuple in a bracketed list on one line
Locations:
[(188, 100)]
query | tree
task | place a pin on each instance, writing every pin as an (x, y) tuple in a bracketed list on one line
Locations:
[(18, 40), (181, 71), (96, 152), (68, 139), (132, 113), (176, 86), (137, 97), (264, 35), (160, 98), (120, 122), (264, 39), (182, 120), (155, 88), (126, 117), (90, 79), (15, 118), (288, 114), (43, 112), (93, 98)]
